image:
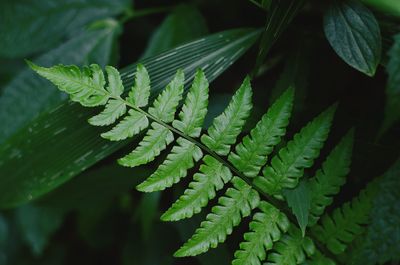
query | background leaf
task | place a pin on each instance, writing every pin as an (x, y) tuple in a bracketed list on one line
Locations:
[(183, 24), (65, 127), (37, 224), (32, 94), (354, 34), (392, 107), (24, 24)]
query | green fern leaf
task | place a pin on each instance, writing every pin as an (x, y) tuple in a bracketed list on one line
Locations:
[(237, 203), (140, 92), (288, 165), (115, 86), (174, 167), (330, 177), (164, 106), (131, 125), (82, 87), (266, 228), (252, 153), (292, 249), (195, 108), (269, 229), (113, 110), (212, 177), (156, 140), (346, 222), (227, 126)]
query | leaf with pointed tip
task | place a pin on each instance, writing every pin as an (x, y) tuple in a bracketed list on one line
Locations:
[(115, 86), (140, 92), (86, 90), (113, 110), (288, 165), (227, 126), (131, 125), (194, 109), (164, 106), (354, 34), (237, 203), (299, 200), (175, 167), (156, 139), (212, 177), (252, 153), (330, 177), (266, 228)]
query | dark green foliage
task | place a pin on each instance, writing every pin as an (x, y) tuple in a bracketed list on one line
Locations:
[(354, 34)]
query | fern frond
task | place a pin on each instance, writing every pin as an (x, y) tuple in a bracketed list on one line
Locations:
[(226, 127), (85, 87), (237, 203), (113, 110), (293, 248), (139, 94), (271, 236), (194, 109), (346, 222), (156, 140), (252, 153), (330, 177), (212, 177), (164, 106), (131, 125), (174, 167), (265, 229), (288, 165), (115, 86)]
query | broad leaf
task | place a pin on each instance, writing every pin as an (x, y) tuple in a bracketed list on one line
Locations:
[(183, 24), (354, 34), (28, 92), (28, 27)]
